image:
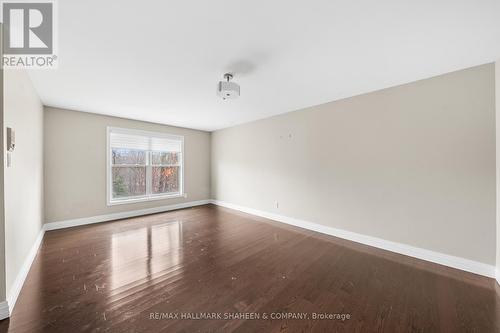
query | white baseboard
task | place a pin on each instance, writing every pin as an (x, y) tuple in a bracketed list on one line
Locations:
[(121, 215), (14, 291), (428, 255), (4, 310), (6, 307)]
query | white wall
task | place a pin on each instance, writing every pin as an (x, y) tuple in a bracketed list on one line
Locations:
[(413, 164), (75, 164), (24, 179)]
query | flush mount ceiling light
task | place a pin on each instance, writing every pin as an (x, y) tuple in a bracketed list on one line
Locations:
[(227, 89)]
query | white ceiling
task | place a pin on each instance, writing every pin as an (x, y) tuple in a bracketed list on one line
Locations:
[(160, 61)]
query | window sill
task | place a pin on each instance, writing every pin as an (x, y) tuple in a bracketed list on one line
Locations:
[(146, 199)]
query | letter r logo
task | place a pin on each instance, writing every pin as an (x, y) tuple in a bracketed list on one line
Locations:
[(28, 27)]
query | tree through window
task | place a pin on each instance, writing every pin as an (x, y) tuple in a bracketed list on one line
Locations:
[(143, 165)]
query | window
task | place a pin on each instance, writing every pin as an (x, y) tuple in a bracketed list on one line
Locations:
[(143, 165)]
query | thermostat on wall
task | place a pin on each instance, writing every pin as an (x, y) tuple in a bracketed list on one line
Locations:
[(11, 139)]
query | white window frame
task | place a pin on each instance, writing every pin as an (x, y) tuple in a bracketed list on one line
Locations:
[(149, 196)]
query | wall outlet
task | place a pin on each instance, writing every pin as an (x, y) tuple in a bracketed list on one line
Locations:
[(276, 204)]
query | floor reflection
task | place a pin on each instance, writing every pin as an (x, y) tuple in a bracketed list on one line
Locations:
[(111, 276), (136, 255)]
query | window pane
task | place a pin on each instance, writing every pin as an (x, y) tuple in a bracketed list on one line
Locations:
[(128, 156), (129, 181), (164, 158), (165, 180)]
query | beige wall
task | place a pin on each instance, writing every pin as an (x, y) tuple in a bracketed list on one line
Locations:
[(24, 178), (497, 103), (413, 164), (2, 212), (75, 164)]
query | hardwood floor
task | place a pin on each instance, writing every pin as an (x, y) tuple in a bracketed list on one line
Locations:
[(120, 276)]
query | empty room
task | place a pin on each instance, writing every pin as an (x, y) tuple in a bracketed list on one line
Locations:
[(250, 166)]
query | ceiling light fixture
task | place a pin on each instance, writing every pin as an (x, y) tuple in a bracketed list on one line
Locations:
[(227, 89)]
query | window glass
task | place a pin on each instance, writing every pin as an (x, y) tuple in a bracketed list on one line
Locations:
[(165, 180), (128, 156), (143, 166), (165, 158), (129, 181)]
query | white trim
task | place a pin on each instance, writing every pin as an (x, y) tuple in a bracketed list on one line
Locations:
[(108, 166), (121, 215), (4, 310), (14, 291), (6, 307), (148, 197), (152, 197), (428, 255)]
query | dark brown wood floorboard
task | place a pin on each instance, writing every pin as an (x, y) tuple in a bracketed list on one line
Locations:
[(111, 277)]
